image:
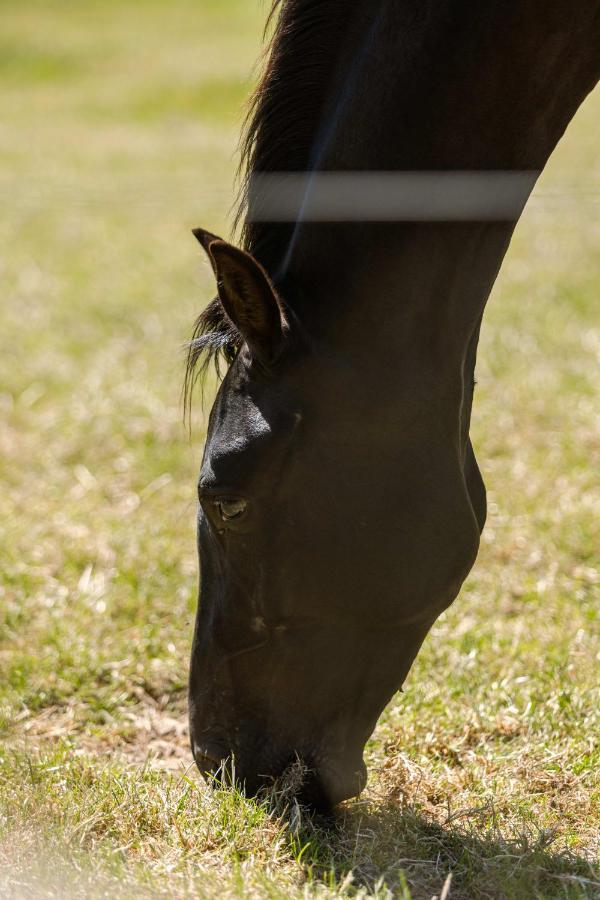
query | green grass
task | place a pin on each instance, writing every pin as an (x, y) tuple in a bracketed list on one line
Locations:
[(119, 126)]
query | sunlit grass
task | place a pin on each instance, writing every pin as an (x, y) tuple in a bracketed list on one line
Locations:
[(118, 134)]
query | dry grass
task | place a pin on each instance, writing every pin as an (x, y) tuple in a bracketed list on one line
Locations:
[(119, 124)]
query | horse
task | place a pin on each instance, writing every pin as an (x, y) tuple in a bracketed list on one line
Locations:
[(340, 501)]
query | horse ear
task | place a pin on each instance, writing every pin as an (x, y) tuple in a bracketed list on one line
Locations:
[(205, 238), (247, 295)]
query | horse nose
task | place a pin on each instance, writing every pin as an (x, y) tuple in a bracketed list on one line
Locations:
[(319, 786)]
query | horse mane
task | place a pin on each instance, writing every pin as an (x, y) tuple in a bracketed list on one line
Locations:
[(281, 123)]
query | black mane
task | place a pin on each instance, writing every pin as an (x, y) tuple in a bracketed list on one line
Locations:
[(283, 118)]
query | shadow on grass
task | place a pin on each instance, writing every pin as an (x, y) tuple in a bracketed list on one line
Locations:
[(393, 849)]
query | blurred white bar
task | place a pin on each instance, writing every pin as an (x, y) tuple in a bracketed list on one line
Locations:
[(389, 196), (183, 196)]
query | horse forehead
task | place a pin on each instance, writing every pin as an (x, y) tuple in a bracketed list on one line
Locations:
[(242, 419), (242, 437), (239, 428)]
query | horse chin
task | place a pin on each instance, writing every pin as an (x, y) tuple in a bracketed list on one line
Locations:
[(325, 788)]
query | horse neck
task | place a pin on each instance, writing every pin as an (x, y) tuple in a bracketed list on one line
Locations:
[(434, 86)]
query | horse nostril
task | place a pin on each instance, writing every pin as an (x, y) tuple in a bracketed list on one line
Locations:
[(207, 762)]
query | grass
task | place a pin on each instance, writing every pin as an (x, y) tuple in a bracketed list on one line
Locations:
[(118, 134)]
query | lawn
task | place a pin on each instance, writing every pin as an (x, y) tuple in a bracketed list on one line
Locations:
[(118, 133)]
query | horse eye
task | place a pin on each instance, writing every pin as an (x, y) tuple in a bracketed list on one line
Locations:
[(231, 509)]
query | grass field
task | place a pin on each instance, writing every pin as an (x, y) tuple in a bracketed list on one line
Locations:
[(117, 134)]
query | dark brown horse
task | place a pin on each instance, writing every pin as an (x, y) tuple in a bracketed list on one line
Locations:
[(340, 500)]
